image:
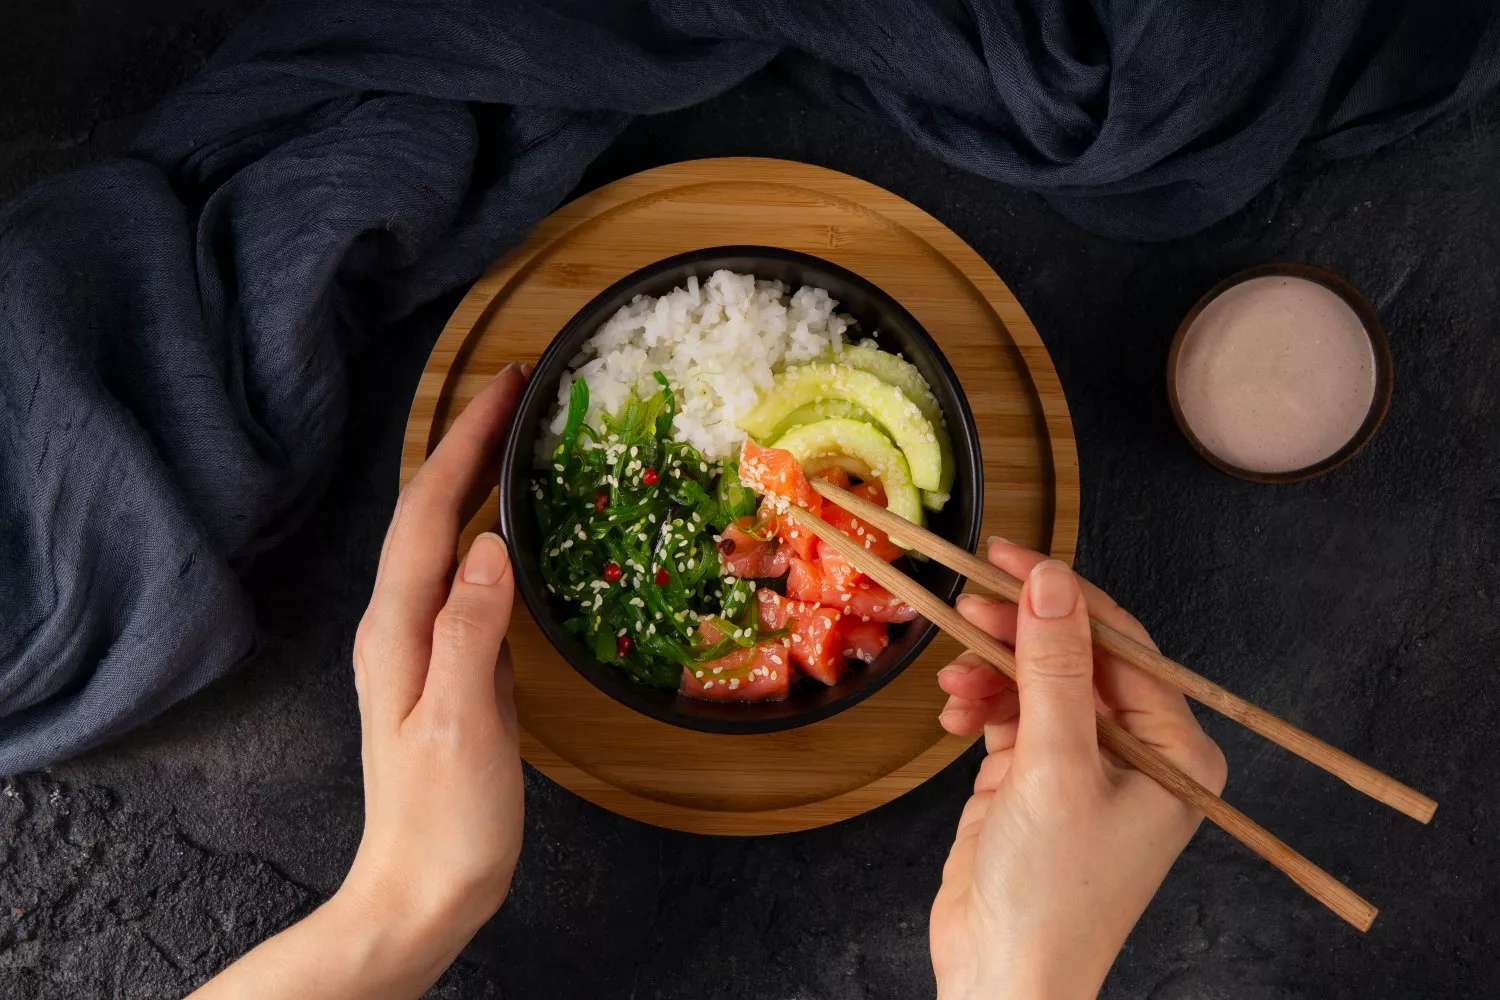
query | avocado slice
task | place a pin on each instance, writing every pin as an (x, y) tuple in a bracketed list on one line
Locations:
[(887, 405), (820, 409), (862, 441), (908, 378)]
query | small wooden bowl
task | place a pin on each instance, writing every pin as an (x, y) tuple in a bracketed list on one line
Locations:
[(1380, 402)]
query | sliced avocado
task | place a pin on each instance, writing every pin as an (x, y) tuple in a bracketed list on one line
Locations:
[(820, 409), (861, 441), (908, 378), (887, 405)]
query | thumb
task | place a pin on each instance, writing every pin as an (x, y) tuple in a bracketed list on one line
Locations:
[(469, 630), (1054, 668)]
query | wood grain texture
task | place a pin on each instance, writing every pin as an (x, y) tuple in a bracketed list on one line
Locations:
[(1351, 770), (1313, 880), (891, 742)]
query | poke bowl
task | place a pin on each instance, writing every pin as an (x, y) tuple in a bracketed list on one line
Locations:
[(661, 428)]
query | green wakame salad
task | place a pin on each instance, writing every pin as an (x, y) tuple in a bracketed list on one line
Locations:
[(630, 520)]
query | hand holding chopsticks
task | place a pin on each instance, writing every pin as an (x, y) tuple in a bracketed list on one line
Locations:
[(1314, 880), (1381, 787)]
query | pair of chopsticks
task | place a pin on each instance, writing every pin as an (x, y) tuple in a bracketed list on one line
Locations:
[(1315, 881)]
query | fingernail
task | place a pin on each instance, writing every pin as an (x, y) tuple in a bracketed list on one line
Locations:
[(1053, 589), (956, 669), (973, 600), (526, 368), (993, 539), (506, 370), (487, 561)]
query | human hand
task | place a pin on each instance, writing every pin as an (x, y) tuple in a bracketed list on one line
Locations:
[(1062, 845), (442, 767), (442, 764)]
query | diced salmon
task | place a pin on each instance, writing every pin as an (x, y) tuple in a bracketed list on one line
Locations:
[(837, 475), (745, 555), (813, 638), (866, 534), (838, 573), (862, 640), (753, 673), (871, 490), (871, 601), (799, 541), (777, 473), (778, 563), (804, 580)]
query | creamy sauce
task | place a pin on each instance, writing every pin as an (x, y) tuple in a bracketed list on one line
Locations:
[(1276, 374)]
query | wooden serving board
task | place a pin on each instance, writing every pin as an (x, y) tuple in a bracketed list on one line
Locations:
[(891, 742)]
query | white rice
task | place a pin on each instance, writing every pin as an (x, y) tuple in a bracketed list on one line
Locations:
[(717, 343)]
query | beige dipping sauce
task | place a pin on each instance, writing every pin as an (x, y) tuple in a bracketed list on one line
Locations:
[(1275, 374)]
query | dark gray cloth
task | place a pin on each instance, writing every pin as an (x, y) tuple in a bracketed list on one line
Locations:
[(175, 325)]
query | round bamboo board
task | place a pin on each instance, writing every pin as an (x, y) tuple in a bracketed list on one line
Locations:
[(891, 742)]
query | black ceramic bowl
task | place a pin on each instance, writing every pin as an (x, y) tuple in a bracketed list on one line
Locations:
[(878, 315)]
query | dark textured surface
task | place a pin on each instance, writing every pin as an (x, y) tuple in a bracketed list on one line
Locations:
[(1363, 606)]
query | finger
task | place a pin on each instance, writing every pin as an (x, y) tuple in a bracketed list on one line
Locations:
[(468, 631), (970, 717), (1150, 709), (962, 717), (971, 676), (995, 616), (993, 770), (411, 584), (1019, 561), (1055, 669), (1000, 737)]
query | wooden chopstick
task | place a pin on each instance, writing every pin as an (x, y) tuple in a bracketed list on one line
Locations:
[(1352, 771), (1315, 881)]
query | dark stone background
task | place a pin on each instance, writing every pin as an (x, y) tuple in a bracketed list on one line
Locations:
[(1363, 606)]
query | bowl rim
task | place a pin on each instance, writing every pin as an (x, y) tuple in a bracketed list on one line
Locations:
[(1380, 402), (514, 509)]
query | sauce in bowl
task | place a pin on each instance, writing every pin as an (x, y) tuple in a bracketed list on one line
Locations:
[(1276, 376)]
